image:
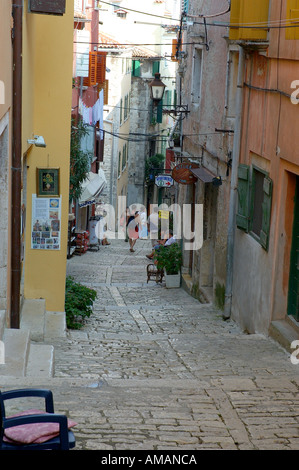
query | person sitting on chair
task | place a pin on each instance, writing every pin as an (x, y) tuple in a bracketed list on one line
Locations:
[(167, 240)]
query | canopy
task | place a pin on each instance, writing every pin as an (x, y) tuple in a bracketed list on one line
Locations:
[(206, 176), (92, 187)]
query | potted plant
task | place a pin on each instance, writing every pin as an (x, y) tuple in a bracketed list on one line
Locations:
[(169, 258)]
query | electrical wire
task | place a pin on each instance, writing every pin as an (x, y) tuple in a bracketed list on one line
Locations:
[(251, 25)]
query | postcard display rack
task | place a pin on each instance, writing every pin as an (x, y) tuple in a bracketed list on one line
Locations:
[(82, 242)]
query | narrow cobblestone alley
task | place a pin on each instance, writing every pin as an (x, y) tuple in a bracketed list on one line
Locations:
[(153, 369)]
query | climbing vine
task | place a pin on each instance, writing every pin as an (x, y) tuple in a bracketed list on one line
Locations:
[(79, 160)]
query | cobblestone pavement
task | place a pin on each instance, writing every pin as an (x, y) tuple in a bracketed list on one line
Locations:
[(154, 369)]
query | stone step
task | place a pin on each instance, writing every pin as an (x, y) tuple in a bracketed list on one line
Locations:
[(55, 325), (2, 323), (40, 361), (33, 318), (42, 325), (16, 349), (284, 333), (24, 358)]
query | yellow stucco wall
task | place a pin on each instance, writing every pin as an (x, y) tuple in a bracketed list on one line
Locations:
[(47, 88)]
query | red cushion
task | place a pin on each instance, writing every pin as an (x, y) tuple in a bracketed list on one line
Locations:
[(33, 433)]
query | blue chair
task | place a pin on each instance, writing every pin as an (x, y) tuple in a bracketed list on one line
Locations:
[(64, 441)]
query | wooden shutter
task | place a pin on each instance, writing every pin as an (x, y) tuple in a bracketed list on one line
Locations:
[(104, 86), (242, 218), (174, 52), (101, 67), (136, 68), (92, 76), (159, 112), (292, 19), (156, 67), (266, 207)]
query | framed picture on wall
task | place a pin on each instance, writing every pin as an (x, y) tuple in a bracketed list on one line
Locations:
[(47, 182)]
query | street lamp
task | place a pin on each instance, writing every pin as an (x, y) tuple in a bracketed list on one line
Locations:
[(157, 88)]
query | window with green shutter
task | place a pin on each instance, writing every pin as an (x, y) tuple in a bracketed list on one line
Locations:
[(266, 208), (156, 67), (159, 112), (121, 111), (136, 72), (242, 218), (254, 203), (119, 164)]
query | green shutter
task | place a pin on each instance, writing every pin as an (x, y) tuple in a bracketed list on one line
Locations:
[(242, 218), (266, 206), (156, 67), (159, 112), (185, 6), (136, 68)]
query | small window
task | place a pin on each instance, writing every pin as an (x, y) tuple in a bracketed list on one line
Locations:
[(119, 164), (121, 111), (257, 201), (136, 68), (196, 76), (254, 203)]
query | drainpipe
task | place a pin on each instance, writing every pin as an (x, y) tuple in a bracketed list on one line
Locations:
[(234, 187), (16, 169)]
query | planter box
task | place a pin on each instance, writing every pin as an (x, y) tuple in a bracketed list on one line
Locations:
[(172, 280)]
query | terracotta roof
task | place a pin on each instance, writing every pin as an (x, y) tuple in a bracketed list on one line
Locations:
[(107, 41), (143, 52)]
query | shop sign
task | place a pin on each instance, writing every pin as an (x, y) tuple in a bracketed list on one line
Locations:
[(182, 173), (164, 181)]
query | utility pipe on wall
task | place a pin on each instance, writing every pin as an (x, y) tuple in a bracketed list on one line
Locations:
[(16, 169), (234, 187)]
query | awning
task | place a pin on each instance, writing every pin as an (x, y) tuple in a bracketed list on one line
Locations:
[(92, 187), (206, 176)]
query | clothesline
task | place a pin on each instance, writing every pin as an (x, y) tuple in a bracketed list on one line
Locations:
[(91, 115)]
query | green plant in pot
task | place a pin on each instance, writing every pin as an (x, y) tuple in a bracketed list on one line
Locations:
[(170, 259)]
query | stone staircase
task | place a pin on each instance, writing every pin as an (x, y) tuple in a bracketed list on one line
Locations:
[(28, 350)]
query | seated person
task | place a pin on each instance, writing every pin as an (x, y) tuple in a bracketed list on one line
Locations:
[(168, 239)]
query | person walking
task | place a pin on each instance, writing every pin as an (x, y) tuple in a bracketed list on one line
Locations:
[(133, 229), (153, 226), (143, 220)]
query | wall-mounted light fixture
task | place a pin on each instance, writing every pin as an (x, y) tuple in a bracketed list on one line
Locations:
[(38, 141), (157, 88)]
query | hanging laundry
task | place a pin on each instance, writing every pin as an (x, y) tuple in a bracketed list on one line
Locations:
[(94, 114)]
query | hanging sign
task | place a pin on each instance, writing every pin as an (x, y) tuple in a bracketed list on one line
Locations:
[(164, 181), (182, 173)]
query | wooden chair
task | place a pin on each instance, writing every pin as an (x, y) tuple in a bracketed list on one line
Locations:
[(64, 439), (154, 273)]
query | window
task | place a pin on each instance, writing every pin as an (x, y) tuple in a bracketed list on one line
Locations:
[(121, 111), (124, 159), (185, 6), (136, 68), (254, 203), (196, 76), (97, 69), (257, 201), (126, 107), (119, 163), (156, 67)]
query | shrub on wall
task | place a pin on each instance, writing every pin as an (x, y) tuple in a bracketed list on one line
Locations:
[(78, 303)]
